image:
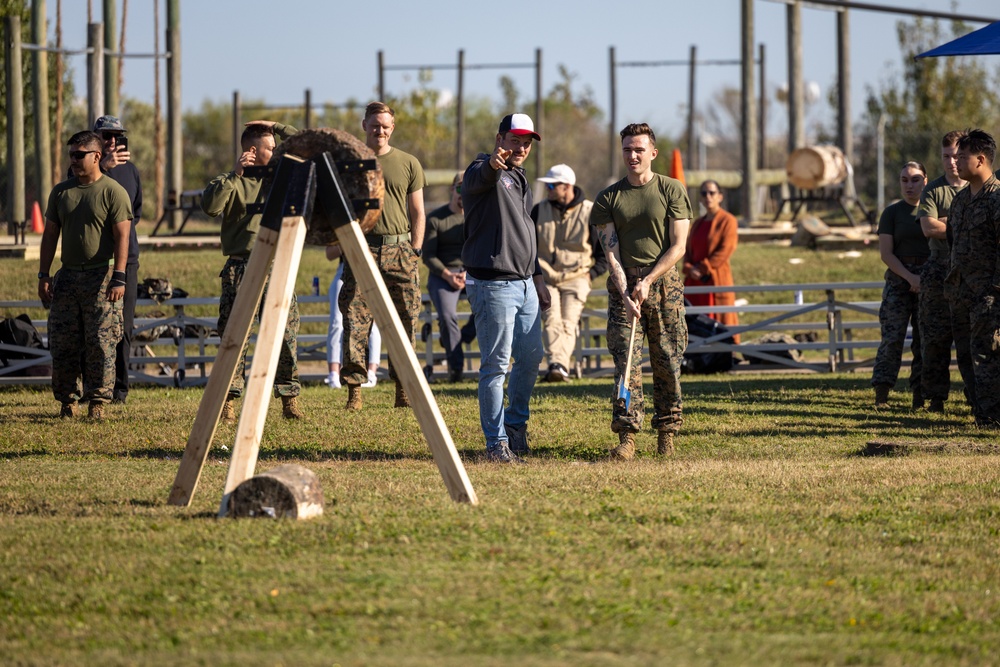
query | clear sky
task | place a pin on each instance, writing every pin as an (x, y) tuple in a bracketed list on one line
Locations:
[(275, 50)]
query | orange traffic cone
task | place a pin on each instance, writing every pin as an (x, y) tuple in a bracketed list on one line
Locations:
[(677, 167), (37, 224)]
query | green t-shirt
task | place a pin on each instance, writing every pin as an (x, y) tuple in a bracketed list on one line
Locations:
[(403, 176), (87, 215), (935, 202), (640, 215), (900, 221)]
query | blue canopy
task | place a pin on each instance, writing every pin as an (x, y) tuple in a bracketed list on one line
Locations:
[(981, 42)]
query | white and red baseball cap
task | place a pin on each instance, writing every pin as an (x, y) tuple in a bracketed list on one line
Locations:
[(520, 124)]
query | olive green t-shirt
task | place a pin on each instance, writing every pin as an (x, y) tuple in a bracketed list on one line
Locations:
[(935, 202), (900, 221), (403, 176), (640, 215), (87, 215)]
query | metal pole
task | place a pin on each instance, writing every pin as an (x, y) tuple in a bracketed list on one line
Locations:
[(308, 110), (237, 125), (539, 114), (15, 126), (691, 106), (796, 131), (460, 113), (175, 150), (749, 116), (381, 76), (110, 62), (762, 111), (40, 88), (844, 134), (612, 122), (95, 73), (880, 164)]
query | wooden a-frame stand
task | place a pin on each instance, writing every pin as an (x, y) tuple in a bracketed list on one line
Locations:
[(297, 184)]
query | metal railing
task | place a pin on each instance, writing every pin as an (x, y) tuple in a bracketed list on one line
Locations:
[(191, 341)]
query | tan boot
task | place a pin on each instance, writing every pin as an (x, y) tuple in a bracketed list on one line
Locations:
[(68, 410), (353, 397), (290, 407), (228, 411), (625, 451), (665, 443), (882, 395), (96, 411), (402, 400)]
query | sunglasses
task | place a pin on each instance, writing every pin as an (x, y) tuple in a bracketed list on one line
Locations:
[(458, 188), (705, 193), (79, 155), (111, 135), (552, 186)]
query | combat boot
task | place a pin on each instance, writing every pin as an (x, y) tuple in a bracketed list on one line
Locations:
[(625, 451), (918, 399), (96, 411), (290, 407), (68, 410), (937, 405), (882, 395), (402, 400), (665, 443), (353, 397), (228, 411)]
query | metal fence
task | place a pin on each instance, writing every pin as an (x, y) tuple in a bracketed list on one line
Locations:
[(178, 348)]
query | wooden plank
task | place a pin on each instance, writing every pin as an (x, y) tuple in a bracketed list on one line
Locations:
[(230, 348), (274, 318), (404, 360)]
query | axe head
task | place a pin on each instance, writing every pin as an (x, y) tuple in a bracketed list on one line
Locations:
[(623, 395)]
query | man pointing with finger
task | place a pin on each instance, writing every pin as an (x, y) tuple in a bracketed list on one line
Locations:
[(504, 284)]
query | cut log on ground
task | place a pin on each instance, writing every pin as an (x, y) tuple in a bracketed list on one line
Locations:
[(358, 185), (288, 491), (906, 447)]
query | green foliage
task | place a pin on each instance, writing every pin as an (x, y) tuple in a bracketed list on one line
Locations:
[(934, 97)]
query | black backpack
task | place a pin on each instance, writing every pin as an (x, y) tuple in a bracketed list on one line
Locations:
[(19, 331), (704, 326)]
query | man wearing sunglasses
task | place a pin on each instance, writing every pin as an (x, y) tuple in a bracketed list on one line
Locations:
[(570, 257), (93, 216)]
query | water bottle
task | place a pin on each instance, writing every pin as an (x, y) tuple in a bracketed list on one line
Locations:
[(315, 285)]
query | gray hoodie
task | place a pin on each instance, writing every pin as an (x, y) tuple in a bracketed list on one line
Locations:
[(500, 241)]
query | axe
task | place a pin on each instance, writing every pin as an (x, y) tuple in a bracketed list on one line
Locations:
[(623, 396)]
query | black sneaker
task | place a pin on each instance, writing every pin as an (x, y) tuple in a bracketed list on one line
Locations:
[(557, 373), (502, 454), (517, 436)]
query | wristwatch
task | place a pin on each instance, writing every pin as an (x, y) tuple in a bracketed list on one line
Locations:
[(419, 252), (42, 275)]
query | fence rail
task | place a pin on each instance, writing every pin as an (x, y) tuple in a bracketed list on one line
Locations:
[(185, 345)]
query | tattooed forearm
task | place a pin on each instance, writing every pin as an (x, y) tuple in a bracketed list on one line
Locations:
[(609, 239)]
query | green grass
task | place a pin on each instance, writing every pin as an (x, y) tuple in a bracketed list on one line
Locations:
[(767, 539)]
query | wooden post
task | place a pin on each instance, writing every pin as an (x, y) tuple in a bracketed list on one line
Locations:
[(308, 109), (613, 153), (845, 135), (175, 150), (460, 114), (40, 88), (237, 125), (274, 319), (749, 153), (111, 105), (692, 69), (95, 74), (15, 125), (762, 110), (796, 128), (381, 75), (538, 146)]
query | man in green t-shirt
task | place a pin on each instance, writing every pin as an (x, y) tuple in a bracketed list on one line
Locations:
[(935, 313), (229, 194), (94, 216), (395, 244), (643, 223)]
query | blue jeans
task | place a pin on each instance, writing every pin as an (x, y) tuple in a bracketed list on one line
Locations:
[(508, 325)]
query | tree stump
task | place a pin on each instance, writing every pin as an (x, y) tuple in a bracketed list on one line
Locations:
[(309, 144), (288, 491)]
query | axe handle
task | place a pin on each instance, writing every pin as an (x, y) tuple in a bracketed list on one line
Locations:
[(628, 361)]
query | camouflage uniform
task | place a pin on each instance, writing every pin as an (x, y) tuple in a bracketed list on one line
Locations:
[(973, 286), (84, 330), (286, 379), (899, 309), (398, 265), (662, 319)]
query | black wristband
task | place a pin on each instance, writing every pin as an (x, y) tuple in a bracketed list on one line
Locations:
[(119, 275)]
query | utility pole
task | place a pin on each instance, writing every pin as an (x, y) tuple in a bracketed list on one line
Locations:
[(613, 153), (40, 89), (691, 107), (749, 156), (796, 129), (175, 150), (95, 73), (15, 125), (110, 44), (845, 135)]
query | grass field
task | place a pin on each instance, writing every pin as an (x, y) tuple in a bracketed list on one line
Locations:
[(771, 537)]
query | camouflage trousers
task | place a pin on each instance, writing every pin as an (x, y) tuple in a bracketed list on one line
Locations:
[(976, 323), (398, 265), (935, 330), (286, 379), (84, 330), (662, 321), (899, 309)]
